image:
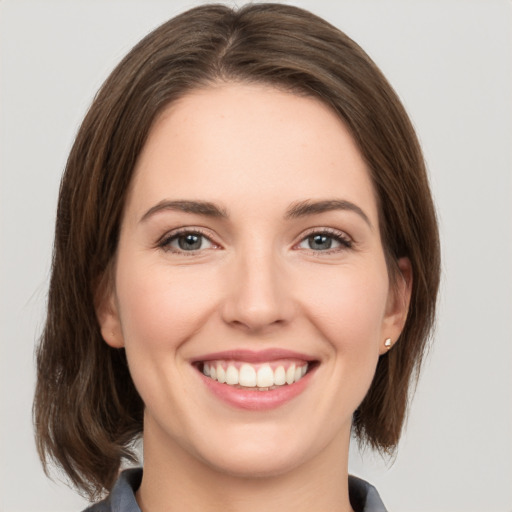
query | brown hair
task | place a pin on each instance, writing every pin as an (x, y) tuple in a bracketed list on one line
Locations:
[(87, 411)]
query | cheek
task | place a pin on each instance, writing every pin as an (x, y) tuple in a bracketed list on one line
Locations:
[(160, 309), (348, 307), (350, 314)]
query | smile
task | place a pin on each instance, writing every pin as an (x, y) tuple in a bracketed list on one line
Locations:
[(256, 380), (261, 377)]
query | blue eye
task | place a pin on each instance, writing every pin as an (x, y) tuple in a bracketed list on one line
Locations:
[(187, 242), (320, 242), (325, 242)]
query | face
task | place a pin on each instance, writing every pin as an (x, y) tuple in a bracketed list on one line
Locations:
[(251, 291)]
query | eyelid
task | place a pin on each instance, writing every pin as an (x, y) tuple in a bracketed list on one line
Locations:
[(326, 230), (346, 241), (341, 236), (163, 241)]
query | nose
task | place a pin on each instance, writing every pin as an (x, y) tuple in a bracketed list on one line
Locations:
[(258, 294)]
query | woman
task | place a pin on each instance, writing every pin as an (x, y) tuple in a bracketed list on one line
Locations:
[(245, 271)]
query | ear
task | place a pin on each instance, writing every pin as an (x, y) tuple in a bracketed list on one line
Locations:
[(397, 305), (108, 315)]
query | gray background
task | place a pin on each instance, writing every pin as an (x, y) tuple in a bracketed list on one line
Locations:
[(451, 63)]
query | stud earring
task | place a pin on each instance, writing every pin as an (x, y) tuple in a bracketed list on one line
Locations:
[(387, 343)]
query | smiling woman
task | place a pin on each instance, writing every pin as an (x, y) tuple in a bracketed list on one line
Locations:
[(246, 267)]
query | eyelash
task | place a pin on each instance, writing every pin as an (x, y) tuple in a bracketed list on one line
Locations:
[(338, 236), (165, 241)]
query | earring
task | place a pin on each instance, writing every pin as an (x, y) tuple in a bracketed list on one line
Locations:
[(387, 343)]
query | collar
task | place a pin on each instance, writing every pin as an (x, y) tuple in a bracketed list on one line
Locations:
[(363, 496)]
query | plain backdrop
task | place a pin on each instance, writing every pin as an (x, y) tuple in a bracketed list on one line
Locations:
[(451, 63)]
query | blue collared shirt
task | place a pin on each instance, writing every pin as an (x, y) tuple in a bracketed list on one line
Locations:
[(363, 496)]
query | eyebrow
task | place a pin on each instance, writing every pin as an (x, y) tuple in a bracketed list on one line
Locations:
[(296, 210), (198, 207), (304, 208)]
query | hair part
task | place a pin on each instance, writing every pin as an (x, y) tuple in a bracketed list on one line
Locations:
[(87, 412)]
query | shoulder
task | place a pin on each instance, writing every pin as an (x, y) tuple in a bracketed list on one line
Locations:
[(122, 497), (364, 496)]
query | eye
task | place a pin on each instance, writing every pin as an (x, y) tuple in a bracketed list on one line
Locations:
[(325, 241), (186, 241)]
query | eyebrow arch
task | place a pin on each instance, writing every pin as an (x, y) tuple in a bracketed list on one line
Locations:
[(197, 207), (304, 208)]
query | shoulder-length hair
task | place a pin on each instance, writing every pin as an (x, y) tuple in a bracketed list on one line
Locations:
[(87, 411)]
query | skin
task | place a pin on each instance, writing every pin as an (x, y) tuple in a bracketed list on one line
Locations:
[(255, 283)]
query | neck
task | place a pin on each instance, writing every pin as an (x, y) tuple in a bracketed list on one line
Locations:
[(179, 482)]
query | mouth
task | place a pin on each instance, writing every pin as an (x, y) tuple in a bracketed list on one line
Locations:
[(258, 377), (256, 380)]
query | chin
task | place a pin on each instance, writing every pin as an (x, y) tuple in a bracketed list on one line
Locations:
[(268, 450), (254, 461)]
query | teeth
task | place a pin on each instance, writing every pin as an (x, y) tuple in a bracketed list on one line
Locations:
[(231, 376), (221, 374), (280, 376), (262, 377), (265, 377), (290, 374), (247, 376)]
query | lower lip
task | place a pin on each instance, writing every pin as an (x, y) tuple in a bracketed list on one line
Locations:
[(252, 400)]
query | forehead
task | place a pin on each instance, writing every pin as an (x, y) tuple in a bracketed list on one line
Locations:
[(247, 143)]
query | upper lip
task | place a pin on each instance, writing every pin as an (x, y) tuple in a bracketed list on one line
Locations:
[(252, 356)]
